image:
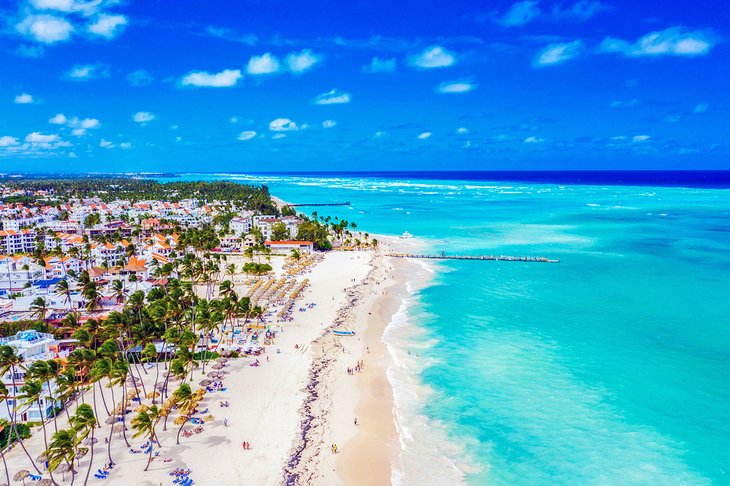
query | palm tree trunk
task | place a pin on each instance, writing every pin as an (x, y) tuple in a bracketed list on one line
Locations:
[(103, 400), (45, 437), (109, 443), (55, 415), (91, 457), (124, 415), (13, 422), (7, 474), (177, 440)]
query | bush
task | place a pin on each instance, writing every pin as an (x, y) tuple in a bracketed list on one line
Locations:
[(8, 431)]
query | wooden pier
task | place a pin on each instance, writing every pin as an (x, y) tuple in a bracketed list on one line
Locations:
[(347, 203), (502, 258)]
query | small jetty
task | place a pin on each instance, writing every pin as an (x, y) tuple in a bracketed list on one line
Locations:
[(501, 258), (346, 203)]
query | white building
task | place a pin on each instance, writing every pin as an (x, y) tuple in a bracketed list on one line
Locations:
[(286, 247), (12, 241), (18, 272), (241, 226), (31, 346), (16, 224)]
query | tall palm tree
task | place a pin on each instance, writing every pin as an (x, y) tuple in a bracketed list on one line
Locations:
[(10, 361), (45, 372), (64, 288), (144, 423), (119, 290), (184, 399), (3, 425), (39, 308), (32, 393), (62, 449), (84, 423)]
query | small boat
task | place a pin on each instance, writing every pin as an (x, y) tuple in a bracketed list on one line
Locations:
[(406, 236), (337, 332)]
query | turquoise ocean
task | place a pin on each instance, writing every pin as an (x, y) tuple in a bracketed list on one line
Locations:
[(611, 367)]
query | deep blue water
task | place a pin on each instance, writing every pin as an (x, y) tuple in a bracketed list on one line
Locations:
[(611, 367)]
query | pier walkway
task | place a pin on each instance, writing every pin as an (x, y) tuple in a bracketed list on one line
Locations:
[(503, 258)]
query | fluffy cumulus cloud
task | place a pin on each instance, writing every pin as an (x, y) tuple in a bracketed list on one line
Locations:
[(52, 21), (37, 137), (424, 135), (103, 143), (143, 117), (24, 99), (433, 57), (223, 79), (263, 64), (87, 72), (58, 119), (558, 53), (675, 41), (328, 124), (108, 26), (378, 65), (46, 29), (8, 141), (456, 87), (247, 135), (640, 138), (332, 97), (140, 77), (534, 139), (283, 125), (302, 61)]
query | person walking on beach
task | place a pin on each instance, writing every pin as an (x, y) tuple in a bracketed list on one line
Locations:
[(355, 420)]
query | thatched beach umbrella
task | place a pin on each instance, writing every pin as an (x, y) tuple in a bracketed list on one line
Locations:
[(141, 409), (118, 428), (205, 382), (222, 360), (111, 420), (153, 395), (132, 393), (63, 469), (209, 418), (42, 458), (213, 374), (45, 482), (88, 441), (21, 475)]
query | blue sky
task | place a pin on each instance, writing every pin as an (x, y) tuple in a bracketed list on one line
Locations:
[(105, 85)]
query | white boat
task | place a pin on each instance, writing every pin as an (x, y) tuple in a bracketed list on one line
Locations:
[(406, 236)]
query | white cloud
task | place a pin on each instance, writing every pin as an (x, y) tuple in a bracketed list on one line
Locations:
[(454, 87), (143, 117), (701, 108), (580, 10), (640, 138), (433, 57), (332, 97), (86, 7), (223, 79), (278, 136), (424, 135), (283, 125), (520, 13), (85, 72), (108, 26), (46, 29), (534, 139), (328, 123), (125, 145), (378, 65), (247, 135), (140, 77), (462, 130), (674, 41), (78, 132), (37, 137), (88, 123), (263, 64), (24, 99), (58, 119), (304, 60), (8, 141), (106, 144), (233, 119), (558, 53)]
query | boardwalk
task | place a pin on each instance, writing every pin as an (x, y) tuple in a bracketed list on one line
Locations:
[(503, 258)]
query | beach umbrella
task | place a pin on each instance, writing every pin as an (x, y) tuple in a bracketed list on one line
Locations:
[(63, 468), (217, 367), (111, 420), (205, 382), (45, 482), (213, 374), (88, 441), (81, 453), (208, 418), (118, 428), (160, 386), (153, 395), (222, 360), (42, 458), (132, 393), (141, 409), (21, 475)]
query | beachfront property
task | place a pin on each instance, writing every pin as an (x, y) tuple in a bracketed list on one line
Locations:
[(17, 241), (286, 247), (18, 272), (30, 346)]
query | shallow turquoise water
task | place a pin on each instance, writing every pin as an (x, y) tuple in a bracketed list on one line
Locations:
[(611, 367)]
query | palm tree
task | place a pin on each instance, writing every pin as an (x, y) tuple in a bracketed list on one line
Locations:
[(10, 361), (62, 449), (63, 288), (39, 308), (33, 392), (185, 401), (144, 423), (84, 423), (45, 371), (119, 290), (3, 425)]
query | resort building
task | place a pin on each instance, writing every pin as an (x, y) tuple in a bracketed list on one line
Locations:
[(241, 226), (285, 247), (18, 272), (17, 241), (30, 346)]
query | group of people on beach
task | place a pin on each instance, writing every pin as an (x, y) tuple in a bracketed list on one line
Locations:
[(358, 367), (246, 446)]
